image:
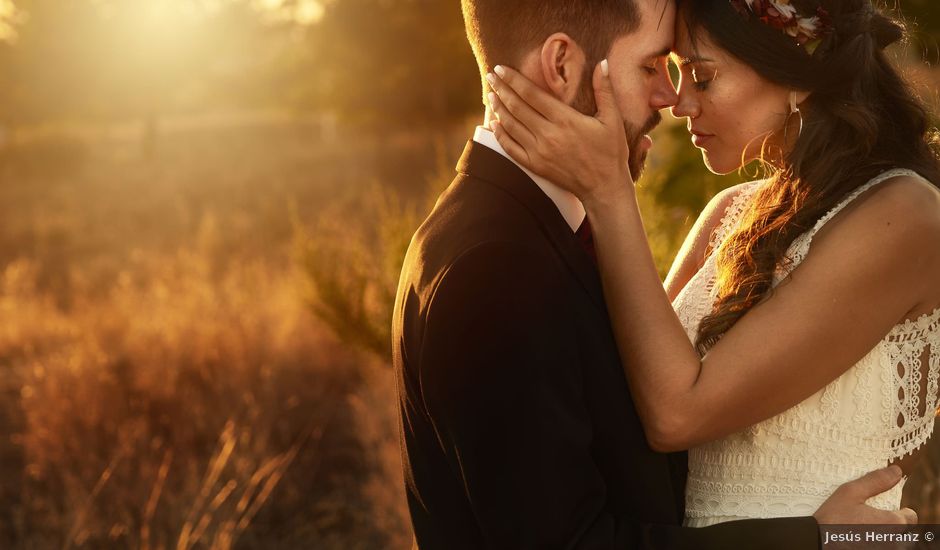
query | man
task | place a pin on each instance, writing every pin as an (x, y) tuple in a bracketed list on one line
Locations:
[(518, 427)]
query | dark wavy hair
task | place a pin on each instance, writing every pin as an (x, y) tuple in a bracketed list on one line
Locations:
[(860, 119)]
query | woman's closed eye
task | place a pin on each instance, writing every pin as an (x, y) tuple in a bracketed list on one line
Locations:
[(701, 78)]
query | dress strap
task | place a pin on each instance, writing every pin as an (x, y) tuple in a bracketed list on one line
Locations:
[(800, 247), (733, 213), (884, 176)]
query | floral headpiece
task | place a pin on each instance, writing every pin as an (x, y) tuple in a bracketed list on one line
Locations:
[(782, 15)]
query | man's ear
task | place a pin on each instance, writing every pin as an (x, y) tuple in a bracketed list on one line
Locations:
[(562, 64)]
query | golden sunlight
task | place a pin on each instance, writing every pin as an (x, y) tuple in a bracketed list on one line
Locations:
[(8, 14), (205, 207), (304, 12)]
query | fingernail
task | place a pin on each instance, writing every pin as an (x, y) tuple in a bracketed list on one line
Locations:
[(491, 79), (605, 68), (500, 70), (896, 471), (492, 98)]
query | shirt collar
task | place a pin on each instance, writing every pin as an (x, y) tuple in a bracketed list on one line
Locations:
[(567, 203)]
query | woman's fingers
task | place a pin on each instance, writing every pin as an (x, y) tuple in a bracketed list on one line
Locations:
[(607, 111), (544, 103), (581, 152), (516, 105), (909, 516), (516, 129), (511, 146)]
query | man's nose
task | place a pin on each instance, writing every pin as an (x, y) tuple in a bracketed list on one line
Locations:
[(664, 94)]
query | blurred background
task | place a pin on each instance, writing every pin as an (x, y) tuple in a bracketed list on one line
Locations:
[(204, 205)]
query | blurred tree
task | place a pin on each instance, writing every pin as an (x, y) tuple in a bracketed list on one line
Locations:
[(387, 63)]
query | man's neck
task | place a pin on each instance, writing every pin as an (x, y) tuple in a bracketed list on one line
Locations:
[(567, 203)]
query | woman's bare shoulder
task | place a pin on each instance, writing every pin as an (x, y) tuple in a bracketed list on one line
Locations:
[(695, 249), (909, 195), (896, 223), (905, 206), (724, 198), (717, 210)]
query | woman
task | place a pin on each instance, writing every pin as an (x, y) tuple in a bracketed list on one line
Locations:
[(786, 369)]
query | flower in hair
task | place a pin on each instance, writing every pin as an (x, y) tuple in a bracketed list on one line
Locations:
[(782, 15), (785, 10)]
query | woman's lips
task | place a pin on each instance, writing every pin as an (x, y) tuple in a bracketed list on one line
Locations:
[(701, 140)]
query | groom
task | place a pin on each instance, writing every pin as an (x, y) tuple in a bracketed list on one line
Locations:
[(518, 428)]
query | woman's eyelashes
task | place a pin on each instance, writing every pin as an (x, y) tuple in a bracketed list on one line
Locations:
[(701, 78)]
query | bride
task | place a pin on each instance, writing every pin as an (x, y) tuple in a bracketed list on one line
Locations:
[(796, 344)]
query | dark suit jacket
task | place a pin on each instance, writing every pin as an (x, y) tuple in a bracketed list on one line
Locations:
[(518, 429)]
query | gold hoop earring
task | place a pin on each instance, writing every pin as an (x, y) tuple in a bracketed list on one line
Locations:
[(796, 110)]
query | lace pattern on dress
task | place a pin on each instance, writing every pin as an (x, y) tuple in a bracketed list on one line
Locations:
[(699, 294), (734, 213), (872, 414)]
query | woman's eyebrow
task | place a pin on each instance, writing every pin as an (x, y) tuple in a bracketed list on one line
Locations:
[(683, 61)]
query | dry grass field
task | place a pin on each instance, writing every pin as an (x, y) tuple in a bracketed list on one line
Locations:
[(166, 383)]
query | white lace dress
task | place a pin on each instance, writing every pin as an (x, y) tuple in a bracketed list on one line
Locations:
[(789, 464)]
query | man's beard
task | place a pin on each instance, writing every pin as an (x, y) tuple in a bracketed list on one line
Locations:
[(584, 102)]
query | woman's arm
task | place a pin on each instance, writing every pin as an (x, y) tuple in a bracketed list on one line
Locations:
[(862, 278), (867, 271)]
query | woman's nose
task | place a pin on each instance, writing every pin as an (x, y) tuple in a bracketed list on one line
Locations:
[(685, 106)]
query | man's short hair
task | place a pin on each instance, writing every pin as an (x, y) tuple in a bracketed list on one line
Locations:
[(501, 31)]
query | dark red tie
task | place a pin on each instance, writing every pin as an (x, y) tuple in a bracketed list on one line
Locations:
[(586, 236)]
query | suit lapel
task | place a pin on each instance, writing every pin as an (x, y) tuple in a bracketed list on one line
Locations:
[(485, 164)]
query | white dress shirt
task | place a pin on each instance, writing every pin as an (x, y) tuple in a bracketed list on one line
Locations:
[(567, 203)]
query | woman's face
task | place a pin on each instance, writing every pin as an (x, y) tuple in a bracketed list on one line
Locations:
[(730, 109)]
